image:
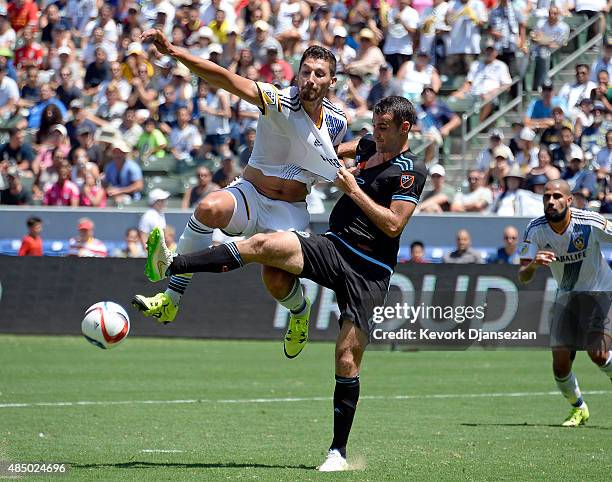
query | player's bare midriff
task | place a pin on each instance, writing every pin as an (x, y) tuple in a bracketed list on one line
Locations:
[(274, 187)]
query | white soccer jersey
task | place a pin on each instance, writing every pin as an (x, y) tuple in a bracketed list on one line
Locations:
[(289, 145), (579, 264)]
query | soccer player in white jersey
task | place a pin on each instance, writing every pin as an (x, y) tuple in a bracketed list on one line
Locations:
[(296, 145), (568, 241)]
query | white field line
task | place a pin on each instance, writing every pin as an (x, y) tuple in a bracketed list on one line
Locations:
[(293, 399), (161, 451)]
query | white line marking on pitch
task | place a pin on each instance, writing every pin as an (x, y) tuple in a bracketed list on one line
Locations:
[(161, 451), (292, 399)]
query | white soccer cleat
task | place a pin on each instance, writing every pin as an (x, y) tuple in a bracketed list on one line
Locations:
[(334, 462)]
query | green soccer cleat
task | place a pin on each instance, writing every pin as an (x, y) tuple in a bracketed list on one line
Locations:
[(159, 306), (297, 332), (577, 417), (159, 257)]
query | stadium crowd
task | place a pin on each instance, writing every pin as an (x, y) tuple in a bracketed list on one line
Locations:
[(89, 113)]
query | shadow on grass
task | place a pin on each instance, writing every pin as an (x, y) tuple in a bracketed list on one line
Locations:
[(534, 425), (220, 465)]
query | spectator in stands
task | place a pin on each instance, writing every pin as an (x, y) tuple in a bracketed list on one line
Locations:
[(507, 254), (247, 148), (548, 35), (30, 52), (485, 157), (440, 198), (369, 56), (67, 90), (401, 28), (63, 192), (30, 90), (485, 80), (562, 154), (14, 194), (153, 217), (387, 85), (414, 76), (572, 94), (185, 139), (80, 166), (273, 59), (578, 177), (111, 109), (545, 166), (85, 136), (47, 98), (123, 177), (57, 141), (603, 92), (432, 28), (527, 157), (477, 199), (97, 72), (593, 8), (167, 110), (436, 122), (85, 245), (604, 62), (170, 237), (584, 117), (464, 254), (262, 41), (31, 243), (130, 130), (604, 156), (152, 141), (217, 114), (133, 246), (92, 193), (536, 183), (465, 17), (579, 201), (8, 38), (593, 137), (509, 200), (417, 253), (539, 114), (203, 188), (16, 152), (507, 26), (500, 168), (9, 95), (343, 52), (551, 137), (227, 173)]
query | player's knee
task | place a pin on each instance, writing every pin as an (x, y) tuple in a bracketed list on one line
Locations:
[(600, 358), (212, 212), (346, 365), (562, 368)]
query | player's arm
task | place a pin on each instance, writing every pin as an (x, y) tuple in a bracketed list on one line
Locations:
[(389, 220), (529, 266), (604, 231), (212, 73)]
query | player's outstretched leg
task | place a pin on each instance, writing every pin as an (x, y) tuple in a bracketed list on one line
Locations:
[(349, 352), (568, 385), (213, 211)]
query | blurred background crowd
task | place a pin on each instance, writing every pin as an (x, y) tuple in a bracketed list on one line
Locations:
[(90, 116)]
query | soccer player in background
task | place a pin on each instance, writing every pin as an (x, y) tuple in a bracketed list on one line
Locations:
[(355, 258), (31, 244), (297, 137), (568, 241)]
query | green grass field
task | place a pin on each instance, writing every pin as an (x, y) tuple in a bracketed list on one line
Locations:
[(222, 412)]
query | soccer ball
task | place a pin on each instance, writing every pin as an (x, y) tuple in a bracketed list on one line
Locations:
[(106, 324)]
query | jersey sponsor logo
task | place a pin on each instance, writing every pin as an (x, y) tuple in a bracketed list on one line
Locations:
[(571, 258), (331, 160), (406, 181)]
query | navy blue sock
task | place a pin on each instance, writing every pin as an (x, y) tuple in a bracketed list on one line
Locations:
[(578, 402), (346, 395), (216, 259)]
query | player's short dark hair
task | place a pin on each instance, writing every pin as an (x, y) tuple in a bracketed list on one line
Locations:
[(401, 108), (318, 52), (33, 221), (414, 244)]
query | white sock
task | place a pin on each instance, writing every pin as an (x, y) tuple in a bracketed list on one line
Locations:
[(607, 368), (570, 390), (295, 301), (195, 237)]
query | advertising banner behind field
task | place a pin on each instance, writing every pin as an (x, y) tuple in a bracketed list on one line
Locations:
[(436, 306)]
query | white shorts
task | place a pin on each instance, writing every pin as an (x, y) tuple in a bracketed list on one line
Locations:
[(256, 213)]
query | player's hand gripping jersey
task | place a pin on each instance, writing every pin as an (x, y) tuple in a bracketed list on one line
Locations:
[(579, 264), (289, 144)]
